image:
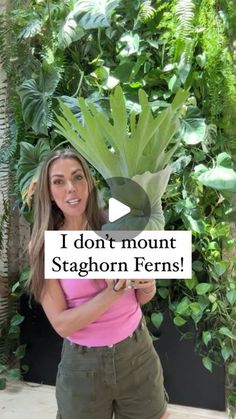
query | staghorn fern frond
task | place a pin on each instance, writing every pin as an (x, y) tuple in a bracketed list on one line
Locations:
[(126, 146)]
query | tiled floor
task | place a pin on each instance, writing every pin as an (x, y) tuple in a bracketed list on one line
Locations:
[(22, 400)]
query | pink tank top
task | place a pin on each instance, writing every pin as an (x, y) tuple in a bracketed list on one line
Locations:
[(116, 324)]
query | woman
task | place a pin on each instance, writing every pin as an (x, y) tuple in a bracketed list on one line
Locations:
[(108, 362)]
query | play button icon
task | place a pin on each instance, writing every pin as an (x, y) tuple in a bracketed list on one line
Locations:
[(129, 208), (134, 204), (117, 210)]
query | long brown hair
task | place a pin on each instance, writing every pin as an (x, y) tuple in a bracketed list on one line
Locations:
[(47, 216)]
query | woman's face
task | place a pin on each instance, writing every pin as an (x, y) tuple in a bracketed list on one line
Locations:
[(68, 187)]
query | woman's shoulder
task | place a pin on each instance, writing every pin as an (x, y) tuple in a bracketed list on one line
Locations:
[(51, 288)]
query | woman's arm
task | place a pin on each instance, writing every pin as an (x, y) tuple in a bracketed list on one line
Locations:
[(65, 320)]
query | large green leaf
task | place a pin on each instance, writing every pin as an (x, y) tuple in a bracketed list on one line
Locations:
[(28, 165), (100, 103), (220, 177), (36, 97), (131, 46), (157, 319), (226, 332), (69, 32), (33, 28), (193, 130), (94, 13)]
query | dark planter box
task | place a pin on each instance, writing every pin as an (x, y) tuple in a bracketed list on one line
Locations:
[(43, 349), (186, 380)]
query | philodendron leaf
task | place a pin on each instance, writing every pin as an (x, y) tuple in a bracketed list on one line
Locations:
[(28, 165), (231, 297), (36, 97), (203, 288), (226, 332), (17, 319), (193, 130), (226, 352), (232, 368), (179, 321), (206, 336), (220, 178), (207, 363), (157, 319), (225, 160), (163, 292)]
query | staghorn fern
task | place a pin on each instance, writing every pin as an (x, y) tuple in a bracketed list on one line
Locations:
[(128, 147)]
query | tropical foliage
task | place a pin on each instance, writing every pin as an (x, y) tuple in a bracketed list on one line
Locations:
[(61, 51)]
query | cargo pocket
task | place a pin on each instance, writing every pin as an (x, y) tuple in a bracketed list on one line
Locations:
[(146, 374), (79, 383), (75, 393)]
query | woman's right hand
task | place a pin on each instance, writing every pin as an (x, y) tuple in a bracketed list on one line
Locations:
[(116, 284)]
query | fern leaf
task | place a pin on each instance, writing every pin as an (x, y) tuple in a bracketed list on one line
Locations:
[(146, 12), (185, 14)]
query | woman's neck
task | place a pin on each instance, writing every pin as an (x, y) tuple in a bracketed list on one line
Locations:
[(75, 224)]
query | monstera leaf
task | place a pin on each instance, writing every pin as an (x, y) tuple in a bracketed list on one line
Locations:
[(93, 14), (69, 32)]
